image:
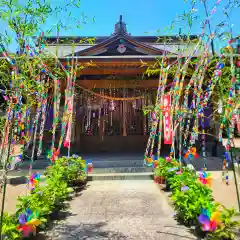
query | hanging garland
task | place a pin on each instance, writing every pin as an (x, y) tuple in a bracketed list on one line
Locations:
[(108, 97)]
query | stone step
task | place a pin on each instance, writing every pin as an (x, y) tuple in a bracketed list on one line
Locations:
[(120, 176), (117, 163), (113, 157), (122, 170)]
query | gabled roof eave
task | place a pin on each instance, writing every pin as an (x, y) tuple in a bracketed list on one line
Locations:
[(119, 36)]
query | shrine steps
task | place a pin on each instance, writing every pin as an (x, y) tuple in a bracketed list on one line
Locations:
[(121, 170), (120, 176), (113, 162), (121, 166), (121, 173)]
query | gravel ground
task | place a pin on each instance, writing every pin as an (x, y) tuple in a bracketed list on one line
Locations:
[(120, 210)]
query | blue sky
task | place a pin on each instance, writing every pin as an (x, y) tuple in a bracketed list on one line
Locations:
[(143, 17)]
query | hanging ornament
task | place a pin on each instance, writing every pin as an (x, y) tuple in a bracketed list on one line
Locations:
[(111, 105), (220, 106), (134, 105), (67, 140)]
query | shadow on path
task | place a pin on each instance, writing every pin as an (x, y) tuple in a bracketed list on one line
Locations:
[(82, 231), (176, 235)]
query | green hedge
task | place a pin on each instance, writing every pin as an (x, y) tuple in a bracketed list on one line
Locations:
[(45, 200), (190, 196)]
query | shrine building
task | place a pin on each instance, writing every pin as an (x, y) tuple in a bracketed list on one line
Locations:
[(112, 88)]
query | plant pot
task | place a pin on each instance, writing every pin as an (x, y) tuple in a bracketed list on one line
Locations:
[(199, 232), (78, 182), (159, 180), (167, 188)]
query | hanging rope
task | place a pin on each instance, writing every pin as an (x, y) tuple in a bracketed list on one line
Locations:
[(108, 97)]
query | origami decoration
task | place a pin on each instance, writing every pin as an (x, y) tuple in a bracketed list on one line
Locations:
[(191, 153), (149, 161), (168, 159), (53, 156), (155, 164), (34, 180), (89, 166), (208, 220), (205, 178), (28, 223)]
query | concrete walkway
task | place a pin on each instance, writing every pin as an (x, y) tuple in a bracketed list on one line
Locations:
[(120, 210)]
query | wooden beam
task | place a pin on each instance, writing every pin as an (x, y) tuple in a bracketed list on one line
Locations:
[(108, 71), (140, 83), (113, 62)]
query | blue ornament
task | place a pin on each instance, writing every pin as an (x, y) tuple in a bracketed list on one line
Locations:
[(221, 65), (88, 161), (227, 156), (190, 156)]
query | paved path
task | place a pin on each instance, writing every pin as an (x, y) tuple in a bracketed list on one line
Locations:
[(120, 210)]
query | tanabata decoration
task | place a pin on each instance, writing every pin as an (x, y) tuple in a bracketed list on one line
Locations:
[(168, 159), (89, 166), (205, 178), (53, 156), (191, 153), (28, 223), (15, 160), (208, 220), (149, 161), (67, 139), (155, 164), (34, 180)]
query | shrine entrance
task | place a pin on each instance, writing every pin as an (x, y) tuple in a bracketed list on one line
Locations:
[(106, 124)]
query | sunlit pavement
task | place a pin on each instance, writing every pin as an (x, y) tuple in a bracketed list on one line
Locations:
[(120, 210)]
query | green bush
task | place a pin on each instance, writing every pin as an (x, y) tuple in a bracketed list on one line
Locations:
[(68, 169), (190, 196), (165, 168), (44, 200), (186, 178), (9, 230), (188, 203)]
